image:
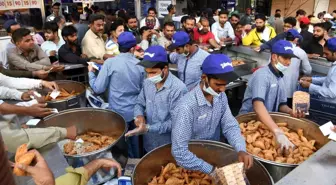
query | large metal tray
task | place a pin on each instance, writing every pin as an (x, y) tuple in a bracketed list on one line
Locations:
[(246, 68)]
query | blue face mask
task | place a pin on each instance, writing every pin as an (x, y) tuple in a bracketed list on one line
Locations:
[(156, 79), (210, 91), (280, 66)]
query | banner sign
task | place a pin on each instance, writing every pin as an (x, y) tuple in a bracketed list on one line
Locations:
[(19, 4)]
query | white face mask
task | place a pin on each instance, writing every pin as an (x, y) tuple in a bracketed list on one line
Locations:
[(281, 67), (156, 79), (210, 91)]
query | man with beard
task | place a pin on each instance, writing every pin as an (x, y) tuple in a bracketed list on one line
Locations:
[(261, 34), (151, 13), (188, 25), (314, 49), (222, 29), (168, 32), (93, 44), (132, 26), (324, 87), (71, 52), (203, 35), (234, 20), (53, 42)]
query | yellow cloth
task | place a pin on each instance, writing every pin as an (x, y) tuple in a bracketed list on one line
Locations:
[(254, 38), (93, 45), (74, 176)]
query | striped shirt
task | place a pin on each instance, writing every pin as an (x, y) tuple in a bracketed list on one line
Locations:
[(158, 106), (196, 118), (112, 48), (189, 69)]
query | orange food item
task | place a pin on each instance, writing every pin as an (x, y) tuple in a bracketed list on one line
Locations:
[(26, 159), (64, 94), (20, 151)]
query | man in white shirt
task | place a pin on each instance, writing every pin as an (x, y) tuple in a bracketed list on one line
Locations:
[(222, 29), (10, 26), (53, 43), (151, 13), (55, 11)]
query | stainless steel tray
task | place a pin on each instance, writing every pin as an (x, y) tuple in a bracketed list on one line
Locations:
[(246, 68)]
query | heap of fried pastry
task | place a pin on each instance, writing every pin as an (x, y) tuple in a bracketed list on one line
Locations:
[(64, 94), (261, 142), (237, 62), (173, 175), (22, 156), (92, 141)]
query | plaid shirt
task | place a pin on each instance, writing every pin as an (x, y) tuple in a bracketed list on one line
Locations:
[(197, 119)]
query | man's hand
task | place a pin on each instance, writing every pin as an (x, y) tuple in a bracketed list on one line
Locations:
[(246, 158), (52, 53), (306, 78), (50, 85), (83, 56), (305, 84), (145, 35), (42, 74), (57, 68), (141, 129), (333, 128), (257, 49), (109, 163), (139, 54), (139, 120), (26, 95), (282, 140), (39, 110), (40, 173), (93, 166), (71, 132), (91, 69), (297, 114)]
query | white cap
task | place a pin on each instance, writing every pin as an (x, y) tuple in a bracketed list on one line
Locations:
[(327, 16)]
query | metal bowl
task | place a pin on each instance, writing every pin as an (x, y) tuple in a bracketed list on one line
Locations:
[(310, 130), (70, 102), (98, 120), (216, 153)]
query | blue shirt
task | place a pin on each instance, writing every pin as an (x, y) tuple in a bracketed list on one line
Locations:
[(269, 44), (158, 106), (196, 118), (124, 79), (325, 87), (266, 85), (189, 69)]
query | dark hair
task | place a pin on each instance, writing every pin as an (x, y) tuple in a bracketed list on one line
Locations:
[(334, 11), (131, 17), (277, 15), (170, 7), (300, 12), (56, 4), (161, 65), (224, 12), (151, 9), (68, 31), (327, 26), (75, 16), (19, 34), (321, 25), (211, 76), (95, 17), (50, 26), (290, 37), (277, 10), (124, 50), (188, 18), (304, 26), (115, 25), (171, 24), (321, 14), (291, 21), (310, 16), (260, 16), (58, 19), (143, 29), (122, 14), (235, 15), (185, 10), (203, 19)]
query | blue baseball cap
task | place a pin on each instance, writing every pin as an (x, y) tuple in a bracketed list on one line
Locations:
[(180, 38), (331, 44), (220, 66), (294, 33), (154, 55), (8, 24), (126, 40), (283, 48)]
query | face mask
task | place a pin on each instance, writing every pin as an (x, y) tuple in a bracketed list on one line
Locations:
[(156, 79), (210, 91), (281, 67)]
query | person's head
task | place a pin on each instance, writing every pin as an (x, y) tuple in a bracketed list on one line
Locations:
[(327, 17), (126, 42), (216, 12), (23, 39), (69, 34), (75, 17), (327, 26), (150, 22), (155, 62), (239, 28), (10, 26), (300, 13), (248, 11), (223, 16), (132, 22), (319, 31), (289, 23), (205, 24), (56, 8), (217, 72), (320, 15), (117, 27), (330, 49), (334, 14), (181, 42), (50, 31), (293, 36), (168, 30), (277, 16), (278, 11), (60, 21), (260, 20), (96, 23), (171, 9), (144, 29), (281, 54), (152, 12), (234, 19), (189, 24), (304, 23)]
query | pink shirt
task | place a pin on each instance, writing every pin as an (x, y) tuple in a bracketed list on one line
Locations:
[(205, 38)]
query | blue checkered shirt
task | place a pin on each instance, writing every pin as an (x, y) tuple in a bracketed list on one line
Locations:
[(189, 69), (197, 119), (158, 106), (123, 79)]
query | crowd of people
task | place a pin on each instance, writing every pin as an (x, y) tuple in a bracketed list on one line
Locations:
[(133, 58)]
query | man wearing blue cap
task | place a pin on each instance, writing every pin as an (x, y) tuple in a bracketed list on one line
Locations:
[(324, 86), (298, 65), (123, 79), (203, 112), (188, 57), (266, 91), (157, 100)]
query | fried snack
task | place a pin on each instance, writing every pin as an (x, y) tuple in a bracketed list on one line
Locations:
[(92, 141), (174, 175), (237, 62), (26, 159), (261, 142), (20, 151), (64, 94)]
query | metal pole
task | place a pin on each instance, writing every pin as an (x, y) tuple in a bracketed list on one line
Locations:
[(42, 10)]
